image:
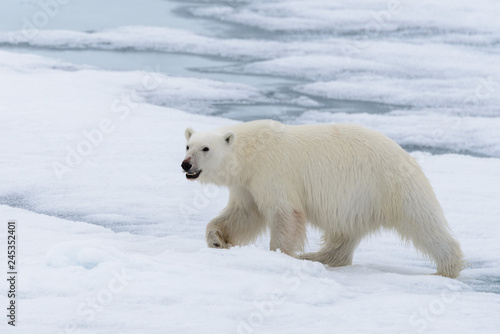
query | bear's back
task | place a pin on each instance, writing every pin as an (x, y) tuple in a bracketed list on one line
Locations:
[(325, 148)]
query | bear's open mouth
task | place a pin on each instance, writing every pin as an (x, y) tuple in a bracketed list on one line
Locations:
[(192, 176)]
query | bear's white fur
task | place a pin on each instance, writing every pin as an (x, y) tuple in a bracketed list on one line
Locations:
[(346, 180)]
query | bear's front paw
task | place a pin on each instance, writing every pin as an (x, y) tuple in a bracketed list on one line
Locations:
[(215, 240)]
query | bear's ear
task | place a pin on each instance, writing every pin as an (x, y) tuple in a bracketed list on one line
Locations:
[(188, 133), (229, 138)]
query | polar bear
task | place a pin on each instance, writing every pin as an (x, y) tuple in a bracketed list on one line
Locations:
[(346, 180)]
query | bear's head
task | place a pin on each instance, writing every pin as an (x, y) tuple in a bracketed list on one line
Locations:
[(206, 154)]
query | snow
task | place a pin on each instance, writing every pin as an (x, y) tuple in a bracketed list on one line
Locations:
[(154, 225), (111, 234), (344, 15), (175, 284), (142, 38)]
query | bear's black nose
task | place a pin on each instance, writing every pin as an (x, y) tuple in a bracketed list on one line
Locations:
[(186, 165)]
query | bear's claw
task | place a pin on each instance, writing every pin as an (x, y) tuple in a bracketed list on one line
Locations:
[(215, 240)]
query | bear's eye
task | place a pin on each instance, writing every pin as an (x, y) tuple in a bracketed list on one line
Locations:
[(206, 149), (187, 148)]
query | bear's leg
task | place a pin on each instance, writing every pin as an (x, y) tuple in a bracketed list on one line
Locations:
[(336, 251), (238, 224), (429, 233), (288, 231)]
